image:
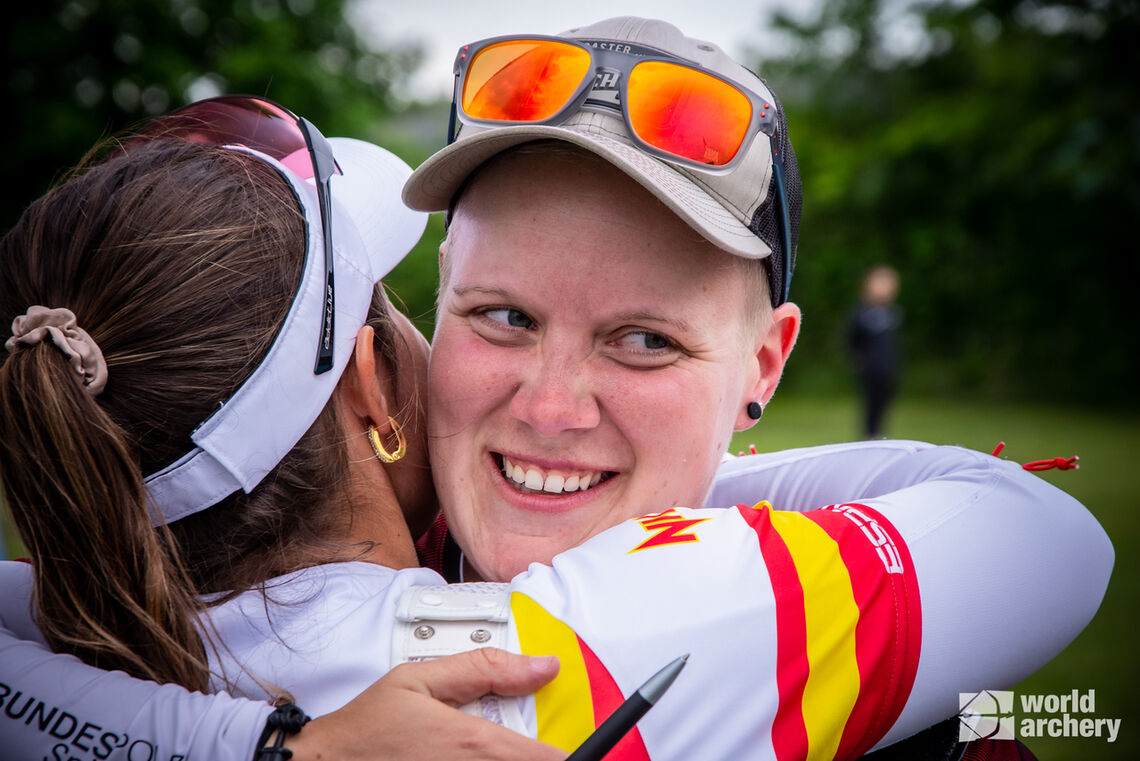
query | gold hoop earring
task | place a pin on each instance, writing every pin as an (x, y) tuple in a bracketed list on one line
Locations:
[(382, 454)]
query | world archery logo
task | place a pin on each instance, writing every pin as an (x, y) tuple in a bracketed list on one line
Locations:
[(988, 715), (985, 715)]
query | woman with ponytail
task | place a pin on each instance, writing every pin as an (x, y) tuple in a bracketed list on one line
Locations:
[(88, 408)]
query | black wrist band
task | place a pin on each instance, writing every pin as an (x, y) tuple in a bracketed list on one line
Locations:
[(286, 720)]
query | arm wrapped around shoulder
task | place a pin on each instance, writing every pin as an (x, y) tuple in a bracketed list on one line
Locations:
[(1011, 570), (815, 632)]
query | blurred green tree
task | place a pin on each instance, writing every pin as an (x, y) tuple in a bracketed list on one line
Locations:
[(990, 152), (76, 71)]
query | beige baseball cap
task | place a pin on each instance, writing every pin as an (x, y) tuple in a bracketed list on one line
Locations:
[(733, 208)]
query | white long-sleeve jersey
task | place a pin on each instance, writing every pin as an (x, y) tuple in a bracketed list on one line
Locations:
[(834, 609)]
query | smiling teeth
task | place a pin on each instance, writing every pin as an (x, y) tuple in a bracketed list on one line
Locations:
[(532, 479)]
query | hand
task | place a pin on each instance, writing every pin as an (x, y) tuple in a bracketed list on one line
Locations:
[(410, 714)]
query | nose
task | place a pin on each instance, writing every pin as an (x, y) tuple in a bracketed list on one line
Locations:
[(557, 395)]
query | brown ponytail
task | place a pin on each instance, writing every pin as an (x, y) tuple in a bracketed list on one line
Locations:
[(108, 587)]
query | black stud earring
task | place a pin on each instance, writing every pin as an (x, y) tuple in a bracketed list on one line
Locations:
[(755, 410)]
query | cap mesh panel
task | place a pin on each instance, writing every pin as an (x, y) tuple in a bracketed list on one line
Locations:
[(766, 223)]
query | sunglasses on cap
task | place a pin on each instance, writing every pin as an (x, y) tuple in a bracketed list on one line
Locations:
[(673, 109), (269, 128)]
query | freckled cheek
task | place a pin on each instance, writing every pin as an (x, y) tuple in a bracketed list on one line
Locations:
[(467, 378), (676, 430)]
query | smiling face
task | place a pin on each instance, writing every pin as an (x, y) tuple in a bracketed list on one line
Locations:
[(591, 359)]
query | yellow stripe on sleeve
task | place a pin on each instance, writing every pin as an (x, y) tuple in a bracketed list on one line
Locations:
[(564, 707), (831, 614)]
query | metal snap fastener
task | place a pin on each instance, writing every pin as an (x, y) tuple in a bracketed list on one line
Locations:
[(424, 632), (480, 635)]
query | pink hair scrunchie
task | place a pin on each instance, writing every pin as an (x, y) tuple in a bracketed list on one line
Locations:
[(61, 328)]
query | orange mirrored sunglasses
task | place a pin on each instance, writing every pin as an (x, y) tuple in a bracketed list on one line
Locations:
[(673, 109)]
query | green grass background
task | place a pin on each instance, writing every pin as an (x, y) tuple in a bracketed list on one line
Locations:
[(1106, 656)]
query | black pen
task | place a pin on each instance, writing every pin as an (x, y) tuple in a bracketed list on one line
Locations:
[(627, 714)]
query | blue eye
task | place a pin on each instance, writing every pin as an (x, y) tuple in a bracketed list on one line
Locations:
[(645, 341), (644, 349), (512, 317)]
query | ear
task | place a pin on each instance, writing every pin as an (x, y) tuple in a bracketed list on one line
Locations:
[(363, 394), (772, 350)]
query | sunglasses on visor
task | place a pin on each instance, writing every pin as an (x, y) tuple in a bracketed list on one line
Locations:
[(673, 109), (272, 129)]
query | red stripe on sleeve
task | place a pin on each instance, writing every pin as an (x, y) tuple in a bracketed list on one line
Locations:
[(789, 734), (607, 697), (889, 631)]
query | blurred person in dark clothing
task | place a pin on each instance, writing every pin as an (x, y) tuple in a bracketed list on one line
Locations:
[(872, 338)]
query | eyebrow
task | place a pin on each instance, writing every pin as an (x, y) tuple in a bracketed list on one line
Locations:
[(463, 290), (679, 324)]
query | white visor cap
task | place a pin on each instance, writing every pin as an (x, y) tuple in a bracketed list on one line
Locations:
[(254, 429)]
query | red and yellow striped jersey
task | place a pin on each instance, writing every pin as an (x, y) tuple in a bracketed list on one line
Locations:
[(813, 639)]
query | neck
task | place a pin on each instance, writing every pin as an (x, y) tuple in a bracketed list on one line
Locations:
[(468, 571), (376, 522), (373, 516), (389, 542)]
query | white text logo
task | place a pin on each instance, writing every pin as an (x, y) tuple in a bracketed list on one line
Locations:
[(989, 714)]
